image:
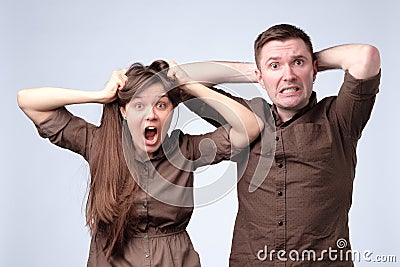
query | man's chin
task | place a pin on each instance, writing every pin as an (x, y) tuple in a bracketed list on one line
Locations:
[(293, 104)]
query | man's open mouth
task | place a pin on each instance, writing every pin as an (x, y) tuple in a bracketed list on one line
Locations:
[(289, 90)]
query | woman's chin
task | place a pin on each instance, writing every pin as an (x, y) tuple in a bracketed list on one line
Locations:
[(151, 151), (150, 146)]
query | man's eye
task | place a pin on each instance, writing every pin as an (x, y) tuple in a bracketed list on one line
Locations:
[(298, 62), (274, 65)]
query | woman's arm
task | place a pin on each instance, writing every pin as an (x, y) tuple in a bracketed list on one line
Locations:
[(39, 103), (246, 126)]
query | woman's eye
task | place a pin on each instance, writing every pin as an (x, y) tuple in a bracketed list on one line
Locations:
[(161, 105), (138, 106)]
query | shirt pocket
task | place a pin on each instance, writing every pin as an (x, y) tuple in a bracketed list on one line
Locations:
[(313, 141)]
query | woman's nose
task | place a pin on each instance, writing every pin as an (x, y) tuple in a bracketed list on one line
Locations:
[(151, 114)]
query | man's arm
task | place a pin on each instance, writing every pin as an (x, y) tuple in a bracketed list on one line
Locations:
[(360, 60), (356, 98), (216, 72)]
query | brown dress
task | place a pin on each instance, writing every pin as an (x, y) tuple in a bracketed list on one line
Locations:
[(164, 203)]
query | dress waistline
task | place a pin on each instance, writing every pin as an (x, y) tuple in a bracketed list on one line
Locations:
[(154, 235)]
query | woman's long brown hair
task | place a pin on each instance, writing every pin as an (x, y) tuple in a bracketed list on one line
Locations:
[(109, 209)]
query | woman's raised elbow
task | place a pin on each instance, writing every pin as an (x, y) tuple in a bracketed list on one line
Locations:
[(22, 99), (250, 133)]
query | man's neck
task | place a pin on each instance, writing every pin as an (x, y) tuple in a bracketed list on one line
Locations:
[(285, 115)]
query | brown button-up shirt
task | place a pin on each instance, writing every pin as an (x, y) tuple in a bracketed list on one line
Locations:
[(295, 189), (164, 203)]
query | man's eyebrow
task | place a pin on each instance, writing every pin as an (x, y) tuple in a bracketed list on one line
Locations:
[(273, 58), (292, 57), (298, 56)]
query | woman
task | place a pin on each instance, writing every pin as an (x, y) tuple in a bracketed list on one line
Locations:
[(140, 197)]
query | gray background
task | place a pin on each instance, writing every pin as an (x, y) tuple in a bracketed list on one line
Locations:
[(78, 44)]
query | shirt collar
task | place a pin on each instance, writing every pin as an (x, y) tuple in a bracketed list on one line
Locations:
[(311, 103), (170, 143)]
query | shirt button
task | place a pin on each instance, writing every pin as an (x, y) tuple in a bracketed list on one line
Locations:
[(280, 193), (280, 223), (145, 236), (276, 138), (280, 165), (145, 204), (147, 255)]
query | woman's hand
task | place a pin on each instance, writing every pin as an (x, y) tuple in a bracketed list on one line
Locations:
[(177, 73), (115, 83)]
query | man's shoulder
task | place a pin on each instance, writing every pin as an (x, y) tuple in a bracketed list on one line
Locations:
[(258, 102), (324, 104)]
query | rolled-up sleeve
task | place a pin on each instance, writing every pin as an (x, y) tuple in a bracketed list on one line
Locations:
[(207, 112), (67, 131), (209, 148), (354, 103)]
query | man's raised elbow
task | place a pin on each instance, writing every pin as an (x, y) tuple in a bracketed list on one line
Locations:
[(372, 59)]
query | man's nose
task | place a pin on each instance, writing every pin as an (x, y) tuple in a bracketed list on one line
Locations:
[(289, 74)]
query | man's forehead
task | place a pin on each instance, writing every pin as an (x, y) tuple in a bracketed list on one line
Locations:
[(289, 44), (277, 49)]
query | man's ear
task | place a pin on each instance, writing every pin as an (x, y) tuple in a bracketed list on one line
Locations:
[(123, 112), (259, 78), (315, 68)]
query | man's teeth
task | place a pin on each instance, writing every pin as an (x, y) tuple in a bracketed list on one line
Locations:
[(289, 90)]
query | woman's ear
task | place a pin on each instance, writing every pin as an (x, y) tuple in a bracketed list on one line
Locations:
[(123, 112)]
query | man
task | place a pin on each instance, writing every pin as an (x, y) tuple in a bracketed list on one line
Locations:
[(296, 212)]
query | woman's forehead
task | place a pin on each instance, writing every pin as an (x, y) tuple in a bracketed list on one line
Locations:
[(152, 92)]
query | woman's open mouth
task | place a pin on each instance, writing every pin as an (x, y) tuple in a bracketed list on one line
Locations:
[(150, 135)]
